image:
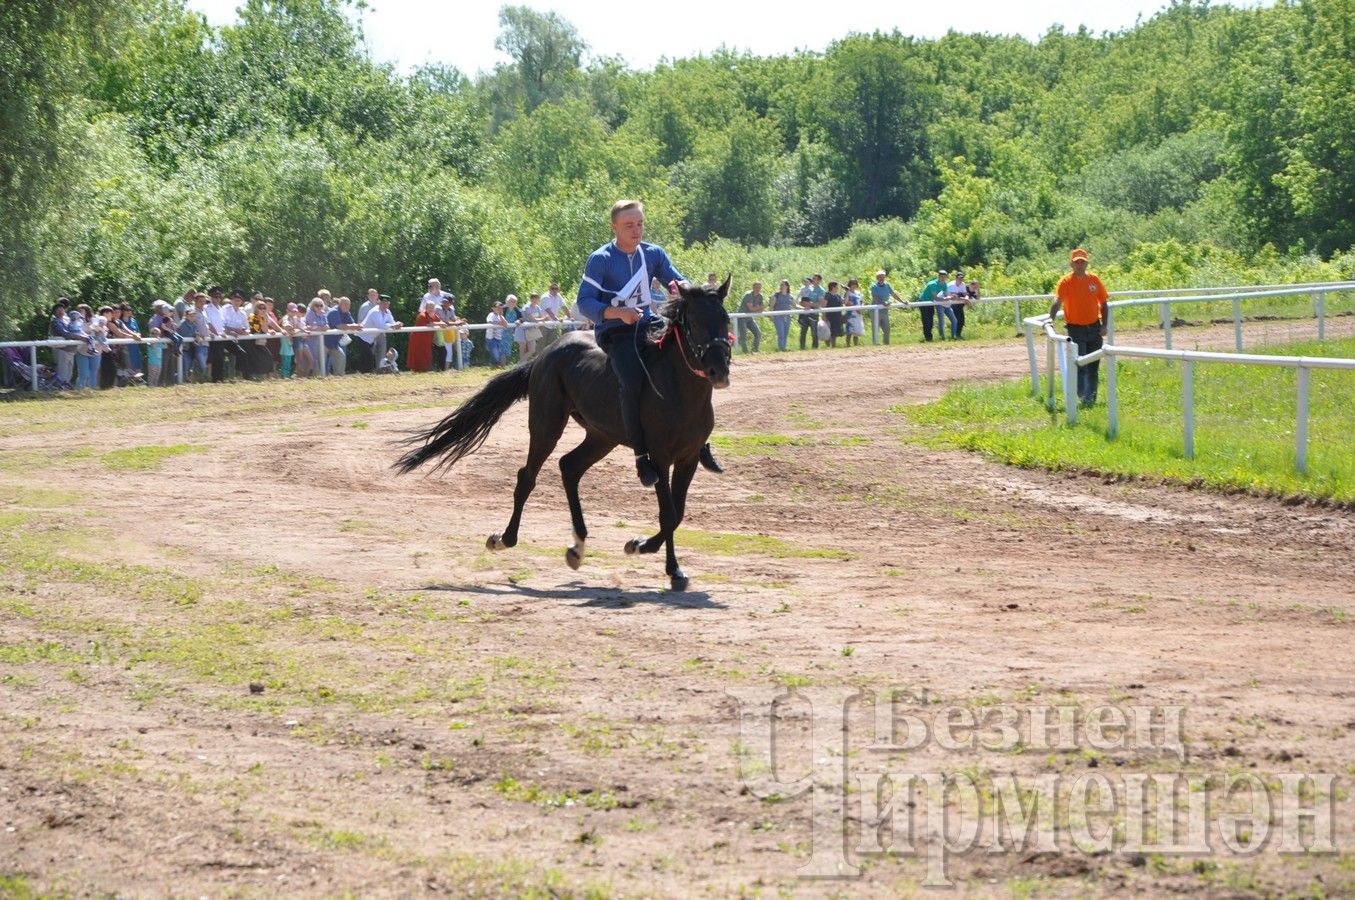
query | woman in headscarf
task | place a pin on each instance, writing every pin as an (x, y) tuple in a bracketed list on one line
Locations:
[(419, 357), (260, 361)]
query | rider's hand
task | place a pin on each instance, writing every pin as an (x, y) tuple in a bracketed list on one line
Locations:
[(628, 314)]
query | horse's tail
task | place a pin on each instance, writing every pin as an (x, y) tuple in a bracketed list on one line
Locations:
[(465, 430)]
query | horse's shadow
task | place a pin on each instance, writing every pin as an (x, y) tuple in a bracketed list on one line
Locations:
[(589, 596)]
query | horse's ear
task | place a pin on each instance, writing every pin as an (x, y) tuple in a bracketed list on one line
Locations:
[(724, 288)]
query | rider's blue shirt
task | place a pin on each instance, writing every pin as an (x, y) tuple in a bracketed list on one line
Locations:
[(607, 271)]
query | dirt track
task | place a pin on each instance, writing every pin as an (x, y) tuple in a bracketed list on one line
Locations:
[(553, 730)]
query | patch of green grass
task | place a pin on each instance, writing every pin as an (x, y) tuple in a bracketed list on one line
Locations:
[(1244, 426), (15, 887), (518, 792), (40, 498), (726, 544), (20, 652), (148, 457), (741, 445)]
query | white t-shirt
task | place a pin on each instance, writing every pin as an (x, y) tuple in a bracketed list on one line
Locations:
[(234, 318), (552, 304), (958, 288), (211, 314), (497, 322), (375, 318)]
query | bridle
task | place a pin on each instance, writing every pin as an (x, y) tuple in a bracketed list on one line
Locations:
[(698, 350)]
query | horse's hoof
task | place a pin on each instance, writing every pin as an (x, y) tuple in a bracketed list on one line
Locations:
[(678, 581), (573, 557), (495, 542), (633, 546)]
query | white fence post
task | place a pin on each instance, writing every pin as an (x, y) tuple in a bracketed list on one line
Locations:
[(1017, 304), (1034, 363), (1050, 365), (1112, 398), (1301, 425), (1237, 323), (1070, 378), (33, 367), (1322, 315), (1110, 324), (1167, 323), (1188, 402)]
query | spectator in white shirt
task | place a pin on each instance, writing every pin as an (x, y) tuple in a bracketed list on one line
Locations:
[(372, 302), (235, 324), (381, 320), (494, 334), (216, 328), (435, 293), (959, 294), (554, 307)]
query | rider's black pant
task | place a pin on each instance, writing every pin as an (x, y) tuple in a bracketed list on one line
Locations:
[(622, 345)]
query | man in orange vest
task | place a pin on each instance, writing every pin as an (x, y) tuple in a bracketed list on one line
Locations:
[(1083, 298)]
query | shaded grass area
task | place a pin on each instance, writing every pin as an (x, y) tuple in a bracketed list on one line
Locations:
[(1244, 426)]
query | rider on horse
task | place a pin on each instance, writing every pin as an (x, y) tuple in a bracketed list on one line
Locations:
[(614, 294)]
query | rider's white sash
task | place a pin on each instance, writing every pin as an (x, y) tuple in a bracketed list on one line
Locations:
[(635, 293)]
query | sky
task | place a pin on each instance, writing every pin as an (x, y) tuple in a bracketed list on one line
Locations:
[(461, 33)]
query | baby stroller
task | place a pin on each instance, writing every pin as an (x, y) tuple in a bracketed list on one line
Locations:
[(18, 372)]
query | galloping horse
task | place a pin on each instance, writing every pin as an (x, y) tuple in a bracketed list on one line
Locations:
[(574, 379)]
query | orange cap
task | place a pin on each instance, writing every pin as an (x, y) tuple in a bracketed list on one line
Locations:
[(1079, 253)]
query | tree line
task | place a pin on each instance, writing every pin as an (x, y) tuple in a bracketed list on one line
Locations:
[(143, 151)]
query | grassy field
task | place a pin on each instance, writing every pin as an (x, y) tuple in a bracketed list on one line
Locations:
[(1244, 426)]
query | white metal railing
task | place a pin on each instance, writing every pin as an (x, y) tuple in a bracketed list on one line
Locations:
[(322, 366), (1164, 298), (1068, 362), (1136, 298)]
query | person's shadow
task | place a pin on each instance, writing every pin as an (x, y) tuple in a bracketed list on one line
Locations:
[(588, 595)]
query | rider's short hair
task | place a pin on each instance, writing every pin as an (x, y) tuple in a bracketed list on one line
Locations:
[(621, 206)]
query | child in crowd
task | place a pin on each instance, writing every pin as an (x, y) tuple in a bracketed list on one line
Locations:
[(286, 350), (155, 355), (390, 366), (467, 345)]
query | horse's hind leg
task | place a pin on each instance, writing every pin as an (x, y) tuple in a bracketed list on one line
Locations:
[(546, 419), (572, 466)]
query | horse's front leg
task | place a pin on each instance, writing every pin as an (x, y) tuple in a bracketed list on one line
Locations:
[(682, 480), (667, 525)]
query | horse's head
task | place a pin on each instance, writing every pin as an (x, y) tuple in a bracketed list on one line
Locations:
[(699, 315)]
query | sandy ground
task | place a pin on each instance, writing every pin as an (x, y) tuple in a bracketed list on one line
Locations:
[(454, 721)]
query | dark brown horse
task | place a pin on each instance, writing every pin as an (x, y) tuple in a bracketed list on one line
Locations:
[(573, 378)]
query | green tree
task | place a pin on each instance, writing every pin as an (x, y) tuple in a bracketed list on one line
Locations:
[(728, 182), (546, 52), (45, 49), (877, 99)]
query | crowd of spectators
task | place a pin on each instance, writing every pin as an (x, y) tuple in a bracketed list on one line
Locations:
[(208, 336), (212, 335), (829, 313)]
